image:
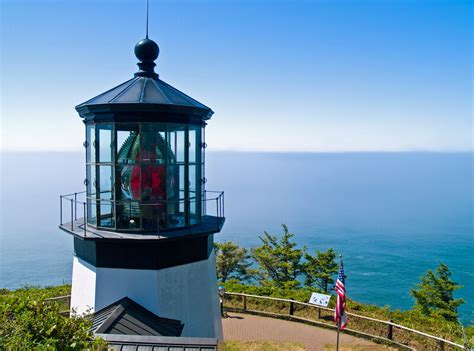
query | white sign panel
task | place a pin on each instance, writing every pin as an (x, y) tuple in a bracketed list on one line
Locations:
[(319, 299)]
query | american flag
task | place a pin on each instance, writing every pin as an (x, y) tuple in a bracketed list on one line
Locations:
[(340, 312)]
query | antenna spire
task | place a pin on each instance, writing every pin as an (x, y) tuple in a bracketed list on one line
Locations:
[(147, 12)]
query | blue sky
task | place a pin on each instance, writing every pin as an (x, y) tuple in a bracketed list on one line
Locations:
[(280, 75)]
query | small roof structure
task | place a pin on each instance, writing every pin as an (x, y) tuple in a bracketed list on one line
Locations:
[(127, 325), (127, 317), (146, 90), (145, 94)]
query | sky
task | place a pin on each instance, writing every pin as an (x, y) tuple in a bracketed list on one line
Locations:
[(309, 76)]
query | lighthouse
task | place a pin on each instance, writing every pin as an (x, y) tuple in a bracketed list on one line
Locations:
[(144, 227)]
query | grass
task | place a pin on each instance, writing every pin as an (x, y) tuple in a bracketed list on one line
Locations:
[(233, 345), (358, 348)]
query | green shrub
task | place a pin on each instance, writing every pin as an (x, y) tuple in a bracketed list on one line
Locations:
[(27, 323)]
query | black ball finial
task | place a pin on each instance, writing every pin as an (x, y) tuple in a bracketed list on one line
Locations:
[(147, 51)]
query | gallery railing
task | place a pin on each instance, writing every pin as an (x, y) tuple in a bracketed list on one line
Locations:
[(152, 216)]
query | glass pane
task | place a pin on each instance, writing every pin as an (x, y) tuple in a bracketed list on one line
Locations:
[(106, 214), (175, 196), (128, 182), (180, 147), (105, 143), (128, 144), (153, 143), (128, 215), (193, 140), (90, 138), (194, 193), (194, 180), (152, 214), (90, 180), (203, 160), (106, 181), (91, 212), (176, 142), (153, 183)]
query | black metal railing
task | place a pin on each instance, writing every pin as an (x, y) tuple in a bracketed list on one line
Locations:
[(78, 213)]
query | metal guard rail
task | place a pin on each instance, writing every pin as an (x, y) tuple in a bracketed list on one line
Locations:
[(73, 200), (388, 324)]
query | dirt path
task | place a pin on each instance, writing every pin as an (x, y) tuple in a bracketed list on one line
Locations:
[(245, 327)]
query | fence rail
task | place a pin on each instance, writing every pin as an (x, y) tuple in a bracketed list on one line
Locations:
[(63, 301), (389, 330), (388, 327)]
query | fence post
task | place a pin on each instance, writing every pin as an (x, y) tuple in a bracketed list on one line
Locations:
[(245, 302), (319, 313), (292, 308), (441, 345), (390, 330)]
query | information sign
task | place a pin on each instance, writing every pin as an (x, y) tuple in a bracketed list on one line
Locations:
[(319, 299)]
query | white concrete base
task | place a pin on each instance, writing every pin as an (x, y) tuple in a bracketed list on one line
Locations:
[(187, 293)]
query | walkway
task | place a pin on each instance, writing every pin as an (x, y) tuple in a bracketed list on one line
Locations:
[(246, 327)]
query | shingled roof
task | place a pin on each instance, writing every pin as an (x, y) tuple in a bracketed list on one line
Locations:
[(127, 317)]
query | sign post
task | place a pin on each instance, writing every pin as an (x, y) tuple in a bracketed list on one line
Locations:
[(319, 300)]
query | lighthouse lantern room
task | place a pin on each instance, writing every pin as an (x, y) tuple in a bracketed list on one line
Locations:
[(143, 229)]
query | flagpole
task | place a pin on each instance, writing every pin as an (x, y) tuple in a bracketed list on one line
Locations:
[(339, 317)]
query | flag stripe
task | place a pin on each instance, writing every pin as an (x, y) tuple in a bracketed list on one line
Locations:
[(340, 310)]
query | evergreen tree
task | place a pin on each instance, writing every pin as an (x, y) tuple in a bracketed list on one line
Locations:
[(232, 262), (279, 260), (434, 295), (319, 270)]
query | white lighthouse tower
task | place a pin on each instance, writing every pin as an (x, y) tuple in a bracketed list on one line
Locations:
[(145, 225)]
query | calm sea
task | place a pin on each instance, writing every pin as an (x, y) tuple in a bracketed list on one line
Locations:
[(392, 215)]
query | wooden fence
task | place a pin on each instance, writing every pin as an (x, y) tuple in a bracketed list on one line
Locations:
[(367, 327), (379, 330)]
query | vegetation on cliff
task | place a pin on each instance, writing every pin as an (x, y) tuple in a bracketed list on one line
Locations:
[(279, 268), (27, 322)]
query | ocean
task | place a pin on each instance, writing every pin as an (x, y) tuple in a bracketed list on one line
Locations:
[(392, 216)]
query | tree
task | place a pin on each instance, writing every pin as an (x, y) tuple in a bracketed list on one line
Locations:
[(319, 270), (434, 295), (232, 262), (279, 260)]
